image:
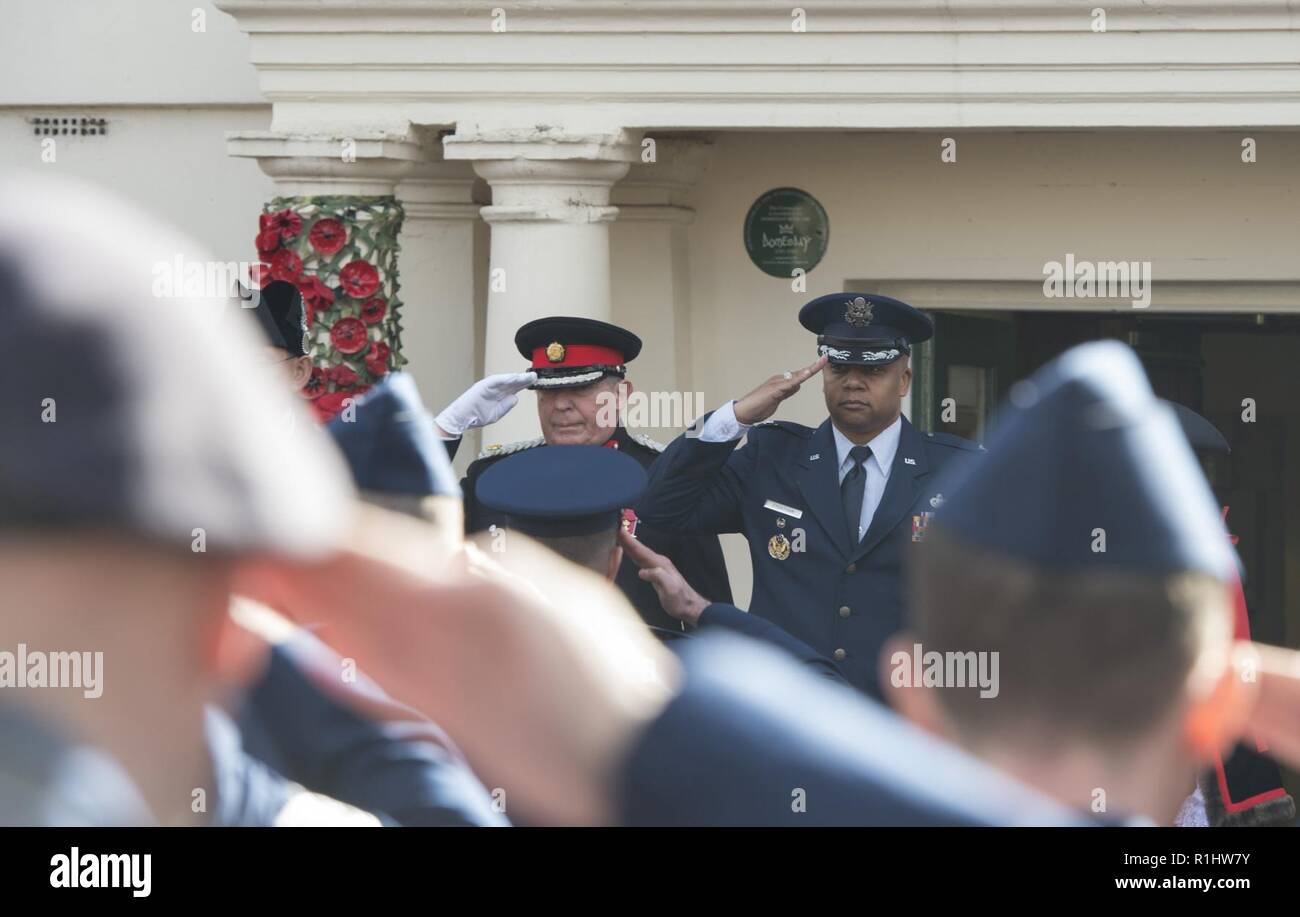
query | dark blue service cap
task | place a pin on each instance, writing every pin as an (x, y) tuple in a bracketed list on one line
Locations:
[(390, 444), (280, 314), (552, 491), (1086, 469), (864, 329)]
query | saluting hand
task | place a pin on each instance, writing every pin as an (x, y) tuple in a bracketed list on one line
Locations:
[(675, 594), (762, 402), (483, 403)]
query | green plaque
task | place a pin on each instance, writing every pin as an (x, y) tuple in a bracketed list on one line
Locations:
[(786, 229)]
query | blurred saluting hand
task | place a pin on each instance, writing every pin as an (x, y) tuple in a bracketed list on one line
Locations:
[(539, 670), (1275, 719)]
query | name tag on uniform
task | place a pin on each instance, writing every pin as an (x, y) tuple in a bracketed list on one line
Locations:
[(782, 508)]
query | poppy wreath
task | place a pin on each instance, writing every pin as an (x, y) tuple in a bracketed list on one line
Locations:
[(341, 252)]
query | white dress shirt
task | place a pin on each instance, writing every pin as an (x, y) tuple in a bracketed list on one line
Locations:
[(722, 427)]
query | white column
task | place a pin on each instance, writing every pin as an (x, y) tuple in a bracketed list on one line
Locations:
[(549, 220), (651, 257), (437, 261)]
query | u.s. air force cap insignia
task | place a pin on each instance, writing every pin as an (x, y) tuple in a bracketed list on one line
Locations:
[(864, 328)]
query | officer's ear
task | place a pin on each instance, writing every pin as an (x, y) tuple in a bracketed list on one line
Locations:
[(905, 377), (300, 371), (915, 703)]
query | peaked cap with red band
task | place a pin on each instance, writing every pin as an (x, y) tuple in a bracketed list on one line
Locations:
[(570, 352)]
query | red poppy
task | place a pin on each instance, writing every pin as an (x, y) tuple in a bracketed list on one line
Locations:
[(359, 279), (373, 309), (285, 222), (348, 335), (343, 376), (267, 242), (315, 386), (377, 358), (327, 236), (286, 265), (327, 406), (315, 296), (259, 275)]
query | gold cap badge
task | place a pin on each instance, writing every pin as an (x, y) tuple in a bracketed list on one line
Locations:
[(555, 351)]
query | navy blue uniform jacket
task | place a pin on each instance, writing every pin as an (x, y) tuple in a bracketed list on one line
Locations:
[(842, 599)]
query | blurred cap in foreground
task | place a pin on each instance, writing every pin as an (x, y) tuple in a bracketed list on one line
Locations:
[(126, 408)]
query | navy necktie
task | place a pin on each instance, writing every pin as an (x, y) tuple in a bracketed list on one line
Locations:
[(852, 489)]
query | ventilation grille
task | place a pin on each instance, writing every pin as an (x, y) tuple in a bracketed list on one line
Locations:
[(69, 127)]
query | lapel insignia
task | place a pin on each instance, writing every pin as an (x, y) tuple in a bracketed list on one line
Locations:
[(937, 501), (778, 547), (814, 457), (908, 461), (919, 524)]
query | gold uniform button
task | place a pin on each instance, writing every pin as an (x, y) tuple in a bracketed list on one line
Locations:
[(851, 568), (845, 611), (840, 655)]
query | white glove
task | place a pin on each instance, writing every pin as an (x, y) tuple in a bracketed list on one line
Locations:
[(484, 402)]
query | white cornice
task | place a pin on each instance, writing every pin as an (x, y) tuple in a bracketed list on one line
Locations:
[(761, 15), (590, 66)]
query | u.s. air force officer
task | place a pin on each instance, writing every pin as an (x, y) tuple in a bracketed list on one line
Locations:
[(829, 512)]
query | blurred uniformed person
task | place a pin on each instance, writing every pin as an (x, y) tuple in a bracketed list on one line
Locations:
[(830, 512), (133, 478), (1084, 565), (578, 369), (301, 718), (574, 500)]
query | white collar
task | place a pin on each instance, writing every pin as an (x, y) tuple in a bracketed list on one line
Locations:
[(883, 448)]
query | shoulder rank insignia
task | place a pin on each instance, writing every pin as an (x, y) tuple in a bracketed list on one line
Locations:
[(648, 442), (497, 449)]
